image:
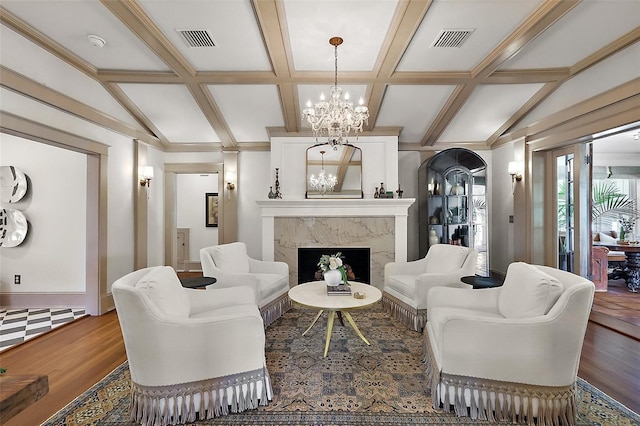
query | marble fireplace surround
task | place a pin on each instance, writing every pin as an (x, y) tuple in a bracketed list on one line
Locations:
[(380, 224)]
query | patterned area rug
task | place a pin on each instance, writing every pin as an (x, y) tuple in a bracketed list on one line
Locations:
[(356, 384)]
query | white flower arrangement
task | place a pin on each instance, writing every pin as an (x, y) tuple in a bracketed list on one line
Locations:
[(330, 261), (333, 261)]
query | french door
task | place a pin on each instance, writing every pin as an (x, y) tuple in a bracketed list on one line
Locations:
[(571, 190)]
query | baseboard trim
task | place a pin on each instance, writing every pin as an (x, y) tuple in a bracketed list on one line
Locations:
[(615, 324), (43, 300)]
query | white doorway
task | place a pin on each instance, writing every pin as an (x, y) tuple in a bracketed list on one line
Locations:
[(191, 217)]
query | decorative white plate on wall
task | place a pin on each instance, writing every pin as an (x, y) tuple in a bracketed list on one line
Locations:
[(13, 184), (13, 227)]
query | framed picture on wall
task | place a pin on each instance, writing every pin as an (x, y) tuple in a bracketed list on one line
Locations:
[(211, 204)]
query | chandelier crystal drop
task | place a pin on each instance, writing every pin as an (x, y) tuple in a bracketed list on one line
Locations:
[(337, 117), (323, 182)]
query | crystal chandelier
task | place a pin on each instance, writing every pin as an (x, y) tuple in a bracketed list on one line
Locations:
[(323, 182), (337, 117)]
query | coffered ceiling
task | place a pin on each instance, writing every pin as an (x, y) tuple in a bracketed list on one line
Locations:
[(523, 62)]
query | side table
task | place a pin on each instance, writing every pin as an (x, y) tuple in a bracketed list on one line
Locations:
[(197, 282), (480, 282)]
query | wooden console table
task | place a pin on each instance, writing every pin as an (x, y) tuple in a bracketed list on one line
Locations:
[(18, 392)]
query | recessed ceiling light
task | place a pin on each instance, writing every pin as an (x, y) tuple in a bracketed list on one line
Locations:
[(96, 41)]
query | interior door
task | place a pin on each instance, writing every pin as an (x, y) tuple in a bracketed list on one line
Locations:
[(182, 248)]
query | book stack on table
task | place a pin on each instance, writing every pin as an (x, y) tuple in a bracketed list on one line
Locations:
[(339, 290)]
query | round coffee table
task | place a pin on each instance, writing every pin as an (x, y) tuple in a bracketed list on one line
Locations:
[(314, 295)]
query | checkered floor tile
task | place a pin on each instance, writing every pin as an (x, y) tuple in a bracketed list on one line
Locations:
[(20, 325)]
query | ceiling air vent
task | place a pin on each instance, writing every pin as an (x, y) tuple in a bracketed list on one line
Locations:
[(452, 37), (197, 38)]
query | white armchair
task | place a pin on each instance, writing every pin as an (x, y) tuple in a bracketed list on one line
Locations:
[(231, 266), (190, 351), (407, 284), (509, 353)]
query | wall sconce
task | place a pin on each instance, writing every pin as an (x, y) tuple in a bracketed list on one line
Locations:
[(516, 174), (230, 177), (146, 174)]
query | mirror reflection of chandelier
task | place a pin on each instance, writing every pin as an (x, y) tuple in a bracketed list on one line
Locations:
[(337, 117), (323, 182)]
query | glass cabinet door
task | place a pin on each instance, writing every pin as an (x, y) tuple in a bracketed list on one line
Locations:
[(457, 206)]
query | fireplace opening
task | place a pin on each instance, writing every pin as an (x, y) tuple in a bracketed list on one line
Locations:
[(358, 258)]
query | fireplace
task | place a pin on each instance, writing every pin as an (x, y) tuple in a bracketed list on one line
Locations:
[(358, 258), (380, 224)]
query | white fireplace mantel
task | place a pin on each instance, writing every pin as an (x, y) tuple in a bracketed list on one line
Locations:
[(366, 207)]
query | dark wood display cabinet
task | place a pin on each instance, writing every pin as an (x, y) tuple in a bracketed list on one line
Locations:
[(453, 203)]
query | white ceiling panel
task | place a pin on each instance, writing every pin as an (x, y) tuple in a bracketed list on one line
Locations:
[(249, 110), (586, 28), (33, 110), (30, 60), (492, 21), (69, 22), (623, 67), (312, 23), (414, 108), (486, 110), (624, 142), (231, 23), (174, 110)]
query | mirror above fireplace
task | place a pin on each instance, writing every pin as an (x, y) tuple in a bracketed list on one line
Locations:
[(334, 173)]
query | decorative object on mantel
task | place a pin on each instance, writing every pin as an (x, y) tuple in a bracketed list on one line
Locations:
[(271, 194), (277, 194), (337, 117), (333, 269), (382, 193), (399, 191)]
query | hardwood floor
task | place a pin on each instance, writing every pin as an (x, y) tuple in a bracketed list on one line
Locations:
[(74, 356), (79, 354)]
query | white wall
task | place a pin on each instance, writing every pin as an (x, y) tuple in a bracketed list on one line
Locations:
[(52, 258), (155, 208), (190, 206), (408, 164), (121, 184), (254, 179), (501, 232)]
